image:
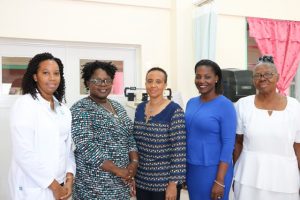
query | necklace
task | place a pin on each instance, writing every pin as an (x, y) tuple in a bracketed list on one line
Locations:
[(110, 110), (150, 111)]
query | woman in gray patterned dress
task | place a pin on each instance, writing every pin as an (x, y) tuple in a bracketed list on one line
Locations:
[(106, 154)]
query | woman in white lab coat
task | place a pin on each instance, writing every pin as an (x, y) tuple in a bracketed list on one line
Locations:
[(43, 165)]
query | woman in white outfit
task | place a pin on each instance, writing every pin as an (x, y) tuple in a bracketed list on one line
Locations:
[(43, 165), (268, 140)]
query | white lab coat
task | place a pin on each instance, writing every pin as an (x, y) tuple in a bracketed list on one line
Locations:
[(35, 132)]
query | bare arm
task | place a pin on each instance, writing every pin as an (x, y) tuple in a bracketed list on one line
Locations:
[(134, 163), (218, 189), (297, 152), (238, 147)]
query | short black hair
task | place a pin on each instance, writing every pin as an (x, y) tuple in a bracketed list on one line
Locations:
[(29, 85), (216, 69), (158, 69), (90, 67)]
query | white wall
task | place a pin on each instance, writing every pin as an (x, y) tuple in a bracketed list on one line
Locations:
[(152, 24), (5, 153), (162, 30), (231, 46), (93, 22), (183, 49), (273, 9)]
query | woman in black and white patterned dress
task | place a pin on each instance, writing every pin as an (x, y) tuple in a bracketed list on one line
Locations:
[(105, 153)]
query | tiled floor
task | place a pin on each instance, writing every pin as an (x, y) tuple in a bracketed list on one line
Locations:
[(184, 195)]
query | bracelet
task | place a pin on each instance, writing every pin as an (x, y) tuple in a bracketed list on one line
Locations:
[(135, 160), (220, 184)]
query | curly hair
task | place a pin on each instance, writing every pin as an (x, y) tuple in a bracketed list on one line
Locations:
[(216, 69), (158, 69), (29, 85), (90, 67)]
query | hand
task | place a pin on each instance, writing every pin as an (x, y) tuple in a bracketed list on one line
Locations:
[(68, 186), (217, 191), (58, 190), (121, 172), (132, 188), (171, 191), (132, 168)]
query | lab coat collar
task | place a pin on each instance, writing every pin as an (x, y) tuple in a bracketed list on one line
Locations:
[(46, 103)]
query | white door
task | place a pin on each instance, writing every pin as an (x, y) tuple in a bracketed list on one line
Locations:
[(14, 49), (70, 54)]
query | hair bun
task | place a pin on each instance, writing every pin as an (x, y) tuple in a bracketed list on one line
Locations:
[(266, 59)]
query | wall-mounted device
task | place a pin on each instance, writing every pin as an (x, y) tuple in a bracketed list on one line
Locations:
[(137, 95)]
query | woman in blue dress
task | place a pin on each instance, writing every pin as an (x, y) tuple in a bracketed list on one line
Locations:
[(211, 125)]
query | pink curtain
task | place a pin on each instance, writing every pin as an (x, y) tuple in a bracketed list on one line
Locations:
[(281, 39)]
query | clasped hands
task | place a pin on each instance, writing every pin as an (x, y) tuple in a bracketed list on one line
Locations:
[(61, 192), (125, 173)]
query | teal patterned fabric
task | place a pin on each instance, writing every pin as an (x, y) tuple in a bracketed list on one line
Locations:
[(99, 136)]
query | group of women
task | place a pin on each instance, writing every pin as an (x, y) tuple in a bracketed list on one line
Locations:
[(150, 158)]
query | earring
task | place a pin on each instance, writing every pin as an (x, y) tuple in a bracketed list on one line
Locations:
[(216, 81)]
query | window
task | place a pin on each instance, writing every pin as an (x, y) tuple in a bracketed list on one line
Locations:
[(15, 55), (13, 69)]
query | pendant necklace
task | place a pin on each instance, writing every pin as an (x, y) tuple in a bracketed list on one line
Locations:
[(149, 111), (110, 110)]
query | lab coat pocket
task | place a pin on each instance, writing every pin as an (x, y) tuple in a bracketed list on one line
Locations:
[(36, 193)]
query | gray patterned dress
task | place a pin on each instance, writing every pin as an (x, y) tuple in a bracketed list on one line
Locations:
[(100, 136)]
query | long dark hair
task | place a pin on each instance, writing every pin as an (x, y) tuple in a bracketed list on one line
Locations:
[(216, 69), (29, 86)]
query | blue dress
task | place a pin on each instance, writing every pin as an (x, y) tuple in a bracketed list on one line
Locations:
[(211, 128)]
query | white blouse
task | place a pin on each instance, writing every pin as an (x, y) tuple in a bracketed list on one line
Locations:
[(268, 159)]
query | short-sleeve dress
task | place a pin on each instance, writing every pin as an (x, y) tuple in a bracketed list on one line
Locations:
[(267, 167)]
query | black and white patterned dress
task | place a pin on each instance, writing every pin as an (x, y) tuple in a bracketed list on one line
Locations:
[(100, 136)]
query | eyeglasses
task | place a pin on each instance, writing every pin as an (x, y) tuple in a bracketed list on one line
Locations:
[(100, 81), (267, 75)]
